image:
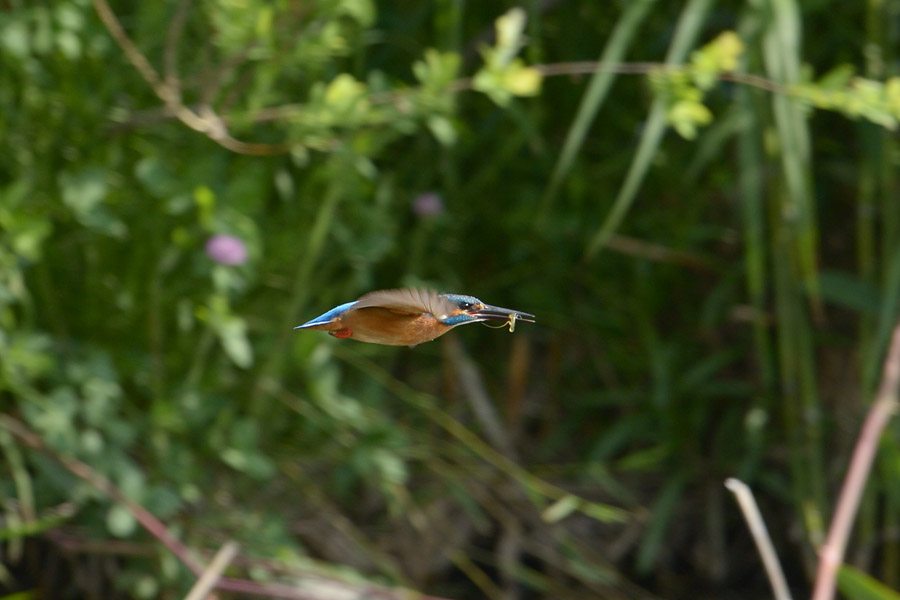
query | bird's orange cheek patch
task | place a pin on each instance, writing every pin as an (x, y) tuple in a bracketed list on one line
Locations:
[(341, 333)]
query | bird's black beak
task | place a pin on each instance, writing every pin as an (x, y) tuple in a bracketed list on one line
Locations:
[(496, 313)]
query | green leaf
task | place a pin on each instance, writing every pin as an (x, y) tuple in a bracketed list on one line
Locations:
[(25, 230), (120, 522), (344, 92), (721, 54), (205, 200), (254, 464), (232, 333), (846, 290), (69, 17), (362, 11), (229, 328), (781, 56), (560, 509), (33, 595), (69, 44), (685, 116), (837, 78), (660, 518), (16, 39), (520, 80), (84, 193), (487, 82), (442, 129), (645, 459), (437, 69), (85, 190), (857, 585), (390, 466), (510, 28)]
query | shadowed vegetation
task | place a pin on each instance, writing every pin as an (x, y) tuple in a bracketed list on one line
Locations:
[(704, 223)]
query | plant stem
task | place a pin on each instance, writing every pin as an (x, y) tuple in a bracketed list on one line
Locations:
[(760, 534), (832, 553)]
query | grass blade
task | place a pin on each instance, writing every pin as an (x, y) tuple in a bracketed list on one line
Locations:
[(593, 98), (857, 585), (781, 56), (689, 23)]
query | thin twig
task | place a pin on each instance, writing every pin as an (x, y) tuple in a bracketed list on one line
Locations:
[(645, 68), (658, 253), (170, 53), (587, 67), (760, 534), (287, 111), (213, 572), (204, 120), (831, 555)]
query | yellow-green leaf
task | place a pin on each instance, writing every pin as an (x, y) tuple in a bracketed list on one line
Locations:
[(344, 90), (522, 81), (561, 509)]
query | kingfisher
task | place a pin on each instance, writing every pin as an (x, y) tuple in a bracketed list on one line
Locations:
[(407, 317)]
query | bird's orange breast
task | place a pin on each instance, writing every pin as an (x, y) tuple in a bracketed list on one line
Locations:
[(384, 326)]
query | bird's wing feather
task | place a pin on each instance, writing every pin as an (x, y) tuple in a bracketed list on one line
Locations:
[(408, 301)]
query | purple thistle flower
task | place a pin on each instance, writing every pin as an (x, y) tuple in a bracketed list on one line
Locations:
[(428, 204), (226, 249)]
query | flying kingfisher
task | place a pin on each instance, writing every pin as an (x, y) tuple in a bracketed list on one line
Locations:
[(408, 317)]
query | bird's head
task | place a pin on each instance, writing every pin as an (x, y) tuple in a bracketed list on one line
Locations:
[(469, 309)]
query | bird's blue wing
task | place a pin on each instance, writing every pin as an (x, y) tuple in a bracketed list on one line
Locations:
[(327, 317)]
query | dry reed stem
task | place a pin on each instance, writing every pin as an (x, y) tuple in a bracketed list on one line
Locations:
[(213, 572), (760, 534), (831, 555)]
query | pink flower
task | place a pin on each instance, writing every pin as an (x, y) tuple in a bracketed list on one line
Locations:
[(226, 249), (428, 204)]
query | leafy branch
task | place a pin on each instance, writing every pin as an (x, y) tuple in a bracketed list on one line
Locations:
[(203, 118), (348, 104)]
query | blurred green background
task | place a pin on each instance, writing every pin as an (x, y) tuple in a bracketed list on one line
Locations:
[(706, 308)]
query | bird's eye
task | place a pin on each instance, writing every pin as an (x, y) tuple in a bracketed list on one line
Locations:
[(466, 305)]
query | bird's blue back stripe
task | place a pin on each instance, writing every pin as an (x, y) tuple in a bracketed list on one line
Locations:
[(327, 317)]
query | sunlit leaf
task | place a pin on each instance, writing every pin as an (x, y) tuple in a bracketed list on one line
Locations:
[(561, 509)]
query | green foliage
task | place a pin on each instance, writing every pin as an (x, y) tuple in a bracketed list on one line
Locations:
[(838, 90), (687, 29), (734, 323), (856, 585), (854, 97), (504, 76), (684, 88)]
